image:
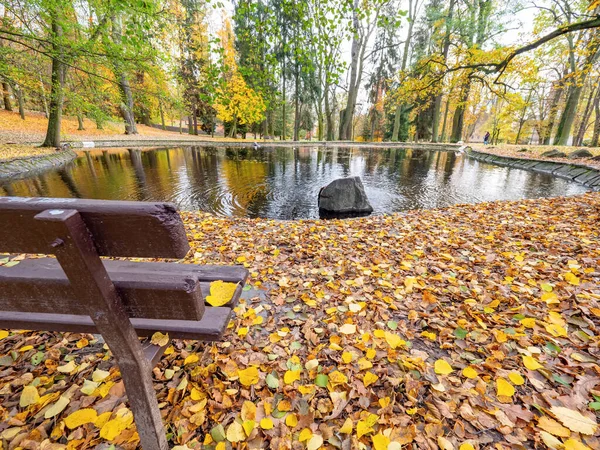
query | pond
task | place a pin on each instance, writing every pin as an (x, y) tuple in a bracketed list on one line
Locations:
[(283, 182)]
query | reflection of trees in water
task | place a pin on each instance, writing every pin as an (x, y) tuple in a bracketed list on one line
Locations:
[(67, 179), (135, 155)]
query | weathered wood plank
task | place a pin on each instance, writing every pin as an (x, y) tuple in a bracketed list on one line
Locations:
[(148, 290), (210, 328), (127, 229)]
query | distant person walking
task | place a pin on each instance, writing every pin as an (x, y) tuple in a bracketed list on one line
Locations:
[(486, 138)]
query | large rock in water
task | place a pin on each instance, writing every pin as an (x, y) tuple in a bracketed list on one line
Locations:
[(344, 196)]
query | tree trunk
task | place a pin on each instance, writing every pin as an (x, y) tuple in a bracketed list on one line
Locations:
[(6, 96), (446, 111), (396, 129), (348, 112), (80, 122), (21, 101), (522, 118), (596, 135), (43, 95), (459, 114), (553, 112), (437, 103), (585, 118), (126, 106), (574, 94), (59, 70), (162, 115)]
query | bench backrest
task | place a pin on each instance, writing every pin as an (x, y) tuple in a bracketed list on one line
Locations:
[(122, 229), (119, 229)]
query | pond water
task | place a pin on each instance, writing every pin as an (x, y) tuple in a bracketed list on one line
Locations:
[(283, 183)]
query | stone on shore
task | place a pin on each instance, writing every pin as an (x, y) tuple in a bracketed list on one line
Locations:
[(344, 196), (579, 154), (554, 153)]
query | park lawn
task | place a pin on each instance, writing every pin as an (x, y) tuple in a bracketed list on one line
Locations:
[(473, 326), (12, 151), (32, 130)]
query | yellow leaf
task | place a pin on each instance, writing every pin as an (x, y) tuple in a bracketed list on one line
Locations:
[(336, 377), (504, 388), (100, 375), (25, 348), (315, 442), (241, 259), (553, 427), (347, 427), (248, 411), (528, 322), (466, 446), (191, 359), (571, 279), (362, 428), (81, 417), (556, 330), (550, 298), (516, 378), (248, 376), (235, 432), (574, 420), (220, 293), (196, 394), (444, 443), (574, 444), (348, 328), (57, 408), (248, 426), (266, 423), (369, 379), (305, 435), (160, 339), (429, 335), (67, 368), (102, 419), (291, 420), (469, 372), (531, 363), (347, 357), (551, 442), (114, 427), (291, 376), (89, 387), (29, 396), (393, 340), (380, 442), (441, 367), (81, 343), (3, 334)]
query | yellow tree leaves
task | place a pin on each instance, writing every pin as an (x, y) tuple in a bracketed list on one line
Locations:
[(29, 396), (220, 293), (248, 376), (574, 420), (442, 367)]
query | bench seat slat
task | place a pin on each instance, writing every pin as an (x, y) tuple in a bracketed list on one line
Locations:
[(149, 290), (210, 328)]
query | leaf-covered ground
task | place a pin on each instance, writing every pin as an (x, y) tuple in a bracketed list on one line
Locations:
[(468, 327)]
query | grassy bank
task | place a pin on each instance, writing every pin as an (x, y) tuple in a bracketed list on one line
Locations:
[(470, 325)]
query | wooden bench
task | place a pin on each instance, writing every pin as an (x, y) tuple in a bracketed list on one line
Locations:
[(121, 300)]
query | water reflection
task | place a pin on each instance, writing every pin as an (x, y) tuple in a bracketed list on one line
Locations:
[(283, 183)]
